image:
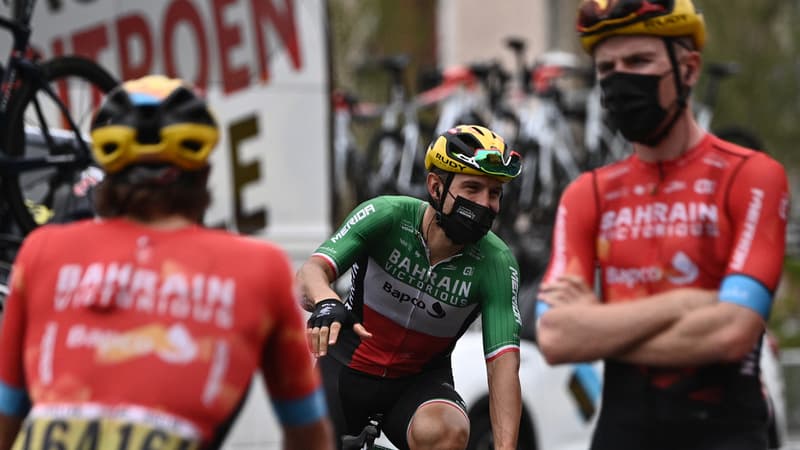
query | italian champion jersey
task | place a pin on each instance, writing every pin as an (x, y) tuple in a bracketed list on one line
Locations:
[(415, 310), (718, 210), (122, 334)]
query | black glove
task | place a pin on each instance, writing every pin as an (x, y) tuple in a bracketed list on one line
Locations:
[(328, 311)]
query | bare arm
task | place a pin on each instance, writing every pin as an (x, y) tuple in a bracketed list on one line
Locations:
[(314, 279), (587, 331), (723, 332), (9, 427), (505, 399), (316, 436)]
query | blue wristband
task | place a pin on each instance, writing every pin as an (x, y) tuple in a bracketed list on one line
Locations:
[(748, 292), (302, 411), (13, 401)]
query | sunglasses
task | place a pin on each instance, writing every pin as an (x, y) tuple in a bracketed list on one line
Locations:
[(601, 14), (490, 161)]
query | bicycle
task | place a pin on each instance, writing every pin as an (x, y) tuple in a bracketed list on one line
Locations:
[(366, 439), (45, 160), (348, 158), (9, 244), (394, 163), (548, 99)]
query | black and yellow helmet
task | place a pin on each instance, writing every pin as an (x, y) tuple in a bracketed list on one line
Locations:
[(473, 150), (600, 19), (153, 119)]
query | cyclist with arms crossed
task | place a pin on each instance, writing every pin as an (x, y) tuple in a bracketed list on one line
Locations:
[(143, 329), (687, 235), (422, 273)]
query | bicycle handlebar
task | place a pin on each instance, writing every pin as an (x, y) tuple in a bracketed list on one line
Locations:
[(365, 438)]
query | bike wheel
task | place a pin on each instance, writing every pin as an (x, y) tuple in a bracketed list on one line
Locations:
[(37, 128), (382, 165)]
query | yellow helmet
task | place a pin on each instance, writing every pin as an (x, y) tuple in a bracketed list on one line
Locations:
[(473, 150), (600, 19), (153, 119)]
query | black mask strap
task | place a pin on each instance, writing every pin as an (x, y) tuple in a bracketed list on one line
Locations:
[(439, 205), (682, 90)]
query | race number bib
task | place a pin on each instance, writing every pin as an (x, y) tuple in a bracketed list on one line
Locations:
[(97, 434)]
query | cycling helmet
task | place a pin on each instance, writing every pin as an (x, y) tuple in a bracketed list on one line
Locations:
[(153, 119), (473, 150), (599, 19)]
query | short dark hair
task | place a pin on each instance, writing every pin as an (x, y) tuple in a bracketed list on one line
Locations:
[(147, 193)]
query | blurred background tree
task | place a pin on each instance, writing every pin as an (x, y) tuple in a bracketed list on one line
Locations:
[(764, 38), (364, 30)]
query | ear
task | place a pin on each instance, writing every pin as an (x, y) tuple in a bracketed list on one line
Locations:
[(434, 184), (692, 73)]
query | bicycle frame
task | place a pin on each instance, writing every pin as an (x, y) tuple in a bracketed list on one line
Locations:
[(23, 66), (406, 161)]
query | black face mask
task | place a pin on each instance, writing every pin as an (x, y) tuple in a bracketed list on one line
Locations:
[(633, 105), (467, 222)]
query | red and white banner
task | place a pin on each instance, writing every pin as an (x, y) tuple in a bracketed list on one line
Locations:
[(264, 67)]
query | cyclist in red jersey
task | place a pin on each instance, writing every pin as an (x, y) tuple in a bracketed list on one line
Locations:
[(684, 240), (143, 329)]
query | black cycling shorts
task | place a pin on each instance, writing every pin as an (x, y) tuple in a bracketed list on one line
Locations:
[(354, 396), (683, 435)]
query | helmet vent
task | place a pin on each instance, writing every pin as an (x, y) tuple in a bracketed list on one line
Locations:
[(192, 144), (110, 147)]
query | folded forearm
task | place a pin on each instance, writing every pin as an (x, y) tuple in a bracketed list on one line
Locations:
[(574, 333), (708, 335)]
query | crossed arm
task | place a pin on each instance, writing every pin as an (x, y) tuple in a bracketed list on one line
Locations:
[(686, 326)]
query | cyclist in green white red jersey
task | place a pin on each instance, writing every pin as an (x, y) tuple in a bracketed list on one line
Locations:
[(421, 274), (142, 329), (684, 238)]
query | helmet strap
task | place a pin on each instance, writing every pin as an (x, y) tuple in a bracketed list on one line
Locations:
[(438, 206)]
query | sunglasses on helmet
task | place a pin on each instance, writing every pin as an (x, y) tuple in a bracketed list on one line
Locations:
[(602, 14), (490, 161)]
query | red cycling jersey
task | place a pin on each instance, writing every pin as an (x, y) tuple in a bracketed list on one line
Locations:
[(719, 209), (714, 218), (109, 320)]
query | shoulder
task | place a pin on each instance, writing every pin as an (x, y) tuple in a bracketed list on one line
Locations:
[(742, 160), (383, 211), (492, 251), (232, 244), (395, 204), (618, 170), (72, 232), (734, 152)]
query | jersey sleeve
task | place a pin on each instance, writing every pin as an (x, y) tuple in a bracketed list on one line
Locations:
[(758, 203), (366, 222), (292, 380), (500, 318), (574, 245)]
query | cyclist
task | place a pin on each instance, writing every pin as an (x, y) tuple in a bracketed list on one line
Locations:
[(142, 329), (687, 236), (422, 272)]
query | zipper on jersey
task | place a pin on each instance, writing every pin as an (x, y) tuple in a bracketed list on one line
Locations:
[(661, 176)]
